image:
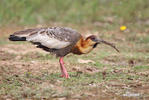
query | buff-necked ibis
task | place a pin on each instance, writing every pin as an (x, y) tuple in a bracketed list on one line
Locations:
[(60, 41)]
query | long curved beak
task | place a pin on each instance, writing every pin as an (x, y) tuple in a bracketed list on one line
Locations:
[(110, 44)]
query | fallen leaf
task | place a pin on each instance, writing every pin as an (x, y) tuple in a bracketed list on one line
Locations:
[(85, 61)]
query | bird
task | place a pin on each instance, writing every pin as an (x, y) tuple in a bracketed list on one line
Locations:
[(59, 41)]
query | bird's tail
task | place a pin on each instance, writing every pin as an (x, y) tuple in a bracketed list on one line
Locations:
[(22, 35), (16, 38)]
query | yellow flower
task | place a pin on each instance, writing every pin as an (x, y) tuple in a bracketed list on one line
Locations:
[(123, 28)]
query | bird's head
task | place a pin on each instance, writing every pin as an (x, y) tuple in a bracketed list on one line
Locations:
[(94, 41)]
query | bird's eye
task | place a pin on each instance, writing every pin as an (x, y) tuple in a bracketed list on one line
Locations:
[(92, 38)]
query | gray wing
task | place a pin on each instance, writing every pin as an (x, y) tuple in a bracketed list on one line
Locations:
[(54, 37)]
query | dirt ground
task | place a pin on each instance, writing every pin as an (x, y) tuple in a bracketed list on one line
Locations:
[(29, 73)]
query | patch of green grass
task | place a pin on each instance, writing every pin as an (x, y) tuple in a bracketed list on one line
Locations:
[(135, 55), (141, 67), (138, 39), (70, 11), (3, 42), (30, 86), (143, 39), (98, 65), (47, 85)]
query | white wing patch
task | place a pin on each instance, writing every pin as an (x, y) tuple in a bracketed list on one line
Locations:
[(47, 41)]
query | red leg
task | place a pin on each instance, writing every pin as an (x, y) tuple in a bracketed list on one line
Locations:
[(63, 69)]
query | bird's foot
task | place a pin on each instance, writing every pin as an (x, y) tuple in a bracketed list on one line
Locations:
[(65, 75), (61, 75)]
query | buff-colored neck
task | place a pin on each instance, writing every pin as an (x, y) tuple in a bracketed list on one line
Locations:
[(83, 46)]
